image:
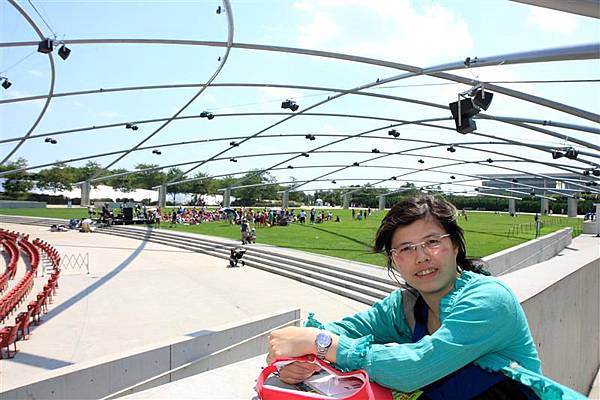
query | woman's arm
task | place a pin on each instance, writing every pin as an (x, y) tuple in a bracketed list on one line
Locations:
[(484, 320), (385, 320)]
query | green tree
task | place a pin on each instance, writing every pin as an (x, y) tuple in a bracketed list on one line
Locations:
[(148, 179), (248, 195), (126, 183), (186, 187), (91, 169), (59, 177), (204, 184), (17, 184)]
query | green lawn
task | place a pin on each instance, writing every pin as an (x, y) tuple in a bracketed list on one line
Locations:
[(486, 233)]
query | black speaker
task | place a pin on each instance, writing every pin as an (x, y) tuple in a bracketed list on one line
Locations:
[(128, 214), (467, 110), (482, 99), (45, 46)]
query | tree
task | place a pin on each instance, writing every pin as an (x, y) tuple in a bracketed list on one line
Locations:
[(126, 183), (176, 173), (59, 177), (248, 195), (90, 170), (148, 179), (204, 184), (17, 184)]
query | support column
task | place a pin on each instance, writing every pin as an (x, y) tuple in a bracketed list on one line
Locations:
[(571, 207), (597, 205), (512, 206), (162, 196), (86, 188), (227, 197), (346, 201), (543, 206), (285, 198), (381, 203)]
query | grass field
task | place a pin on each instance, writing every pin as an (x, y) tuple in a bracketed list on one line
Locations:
[(486, 233)]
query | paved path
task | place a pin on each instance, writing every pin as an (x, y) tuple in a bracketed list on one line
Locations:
[(140, 293)]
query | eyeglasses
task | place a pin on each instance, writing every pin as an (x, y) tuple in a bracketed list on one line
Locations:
[(408, 250)]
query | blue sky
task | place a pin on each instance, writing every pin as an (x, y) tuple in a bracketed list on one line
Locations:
[(420, 33)]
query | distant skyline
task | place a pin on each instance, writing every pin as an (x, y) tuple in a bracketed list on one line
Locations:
[(415, 33)]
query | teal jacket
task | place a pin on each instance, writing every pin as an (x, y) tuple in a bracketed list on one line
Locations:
[(481, 322)]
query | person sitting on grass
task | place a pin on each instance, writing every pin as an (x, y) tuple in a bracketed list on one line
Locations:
[(450, 332)]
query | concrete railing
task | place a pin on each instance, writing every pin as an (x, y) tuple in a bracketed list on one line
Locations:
[(153, 366), (561, 299), (529, 253), (22, 204)]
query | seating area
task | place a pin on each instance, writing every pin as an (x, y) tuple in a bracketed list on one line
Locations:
[(14, 299)]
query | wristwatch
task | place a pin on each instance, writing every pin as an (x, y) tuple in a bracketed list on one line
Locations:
[(323, 343)]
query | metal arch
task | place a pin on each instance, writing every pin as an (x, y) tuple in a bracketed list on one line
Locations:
[(581, 52), (154, 87), (590, 49), (495, 166), (302, 87), (402, 152), (547, 132), (229, 15), (347, 92), (436, 144), (545, 122), (93, 127), (420, 122), (50, 92), (587, 8)]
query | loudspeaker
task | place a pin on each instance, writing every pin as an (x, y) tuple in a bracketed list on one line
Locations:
[(481, 100), (467, 110), (128, 214), (45, 46)]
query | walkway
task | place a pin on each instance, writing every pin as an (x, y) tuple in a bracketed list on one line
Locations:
[(139, 294)]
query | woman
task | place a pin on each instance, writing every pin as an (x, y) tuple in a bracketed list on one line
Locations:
[(451, 332)]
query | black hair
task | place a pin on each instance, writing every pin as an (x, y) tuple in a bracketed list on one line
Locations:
[(418, 207)]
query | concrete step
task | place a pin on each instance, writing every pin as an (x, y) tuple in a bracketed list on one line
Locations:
[(388, 283), (347, 274), (344, 283)]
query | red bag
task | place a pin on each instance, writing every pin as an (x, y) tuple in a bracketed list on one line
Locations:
[(354, 384)]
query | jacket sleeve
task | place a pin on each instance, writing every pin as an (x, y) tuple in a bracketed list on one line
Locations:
[(384, 321), (483, 319)]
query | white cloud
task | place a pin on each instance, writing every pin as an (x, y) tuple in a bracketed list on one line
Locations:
[(35, 72), (17, 94), (107, 114), (322, 28), (272, 93), (397, 30), (552, 21)]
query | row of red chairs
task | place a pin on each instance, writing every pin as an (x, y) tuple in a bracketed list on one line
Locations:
[(18, 293), (21, 329), (9, 244), (11, 268)]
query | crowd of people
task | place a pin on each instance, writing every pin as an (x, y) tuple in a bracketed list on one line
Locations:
[(265, 217)]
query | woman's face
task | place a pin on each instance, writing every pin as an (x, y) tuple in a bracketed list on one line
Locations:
[(430, 268)]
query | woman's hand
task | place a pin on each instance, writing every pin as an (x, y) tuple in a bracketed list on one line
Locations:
[(291, 342), (297, 372)]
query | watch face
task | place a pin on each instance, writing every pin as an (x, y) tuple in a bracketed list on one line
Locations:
[(323, 340)]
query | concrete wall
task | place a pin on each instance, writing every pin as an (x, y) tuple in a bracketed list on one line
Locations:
[(591, 227), (22, 204), (201, 352), (562, 304), (529, 253)]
